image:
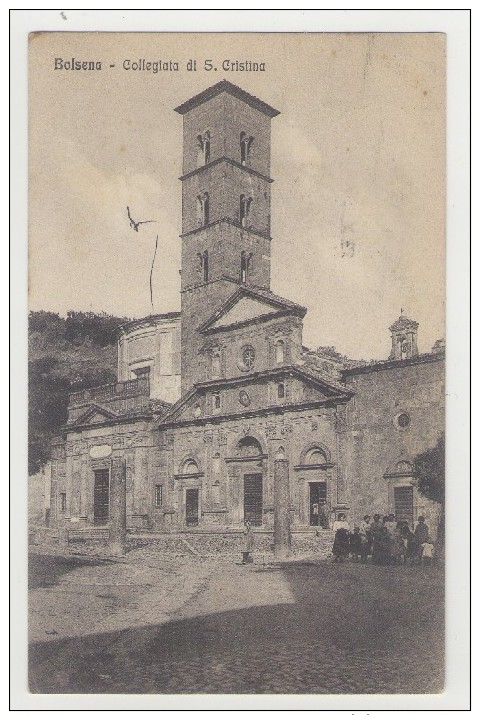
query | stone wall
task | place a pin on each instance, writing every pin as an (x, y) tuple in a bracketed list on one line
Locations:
[(376, 443), (214, 451)]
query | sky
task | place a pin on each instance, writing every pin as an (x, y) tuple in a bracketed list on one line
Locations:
[(358, 155)]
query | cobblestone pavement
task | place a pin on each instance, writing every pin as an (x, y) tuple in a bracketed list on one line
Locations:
[(161, 625)]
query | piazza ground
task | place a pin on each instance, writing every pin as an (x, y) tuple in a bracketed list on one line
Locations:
[(159, 623)]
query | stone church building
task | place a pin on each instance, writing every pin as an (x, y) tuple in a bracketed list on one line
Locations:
[(220, 413)]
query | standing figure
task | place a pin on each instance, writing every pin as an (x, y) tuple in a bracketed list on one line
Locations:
[(323, 515), (399, 547), (420, 537), (383, 543), (407, 536), (247, 544), (356, 543), (341, 542), (391, 526), (375, 536), (427, 552), (366, 537)]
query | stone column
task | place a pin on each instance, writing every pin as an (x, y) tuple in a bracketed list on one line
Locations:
[(281, 524), (302, 501), (235, 496), (118, 516)]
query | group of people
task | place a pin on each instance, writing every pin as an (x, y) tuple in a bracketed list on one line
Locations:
[(385, 540)]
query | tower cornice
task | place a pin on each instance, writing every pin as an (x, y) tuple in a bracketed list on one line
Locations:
[(225, 219), (227, 160)]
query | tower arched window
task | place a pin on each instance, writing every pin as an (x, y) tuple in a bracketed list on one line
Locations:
[(203, 208), (206, 208), (246, 260), (216, 368), (203, 148), (200, 210), (279, 352), (243, 267), (205, 266), (280, 390), (206, 147), (245, 144), (245, 207)]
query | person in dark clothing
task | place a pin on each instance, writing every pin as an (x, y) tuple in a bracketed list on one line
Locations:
[(341, 543), (366, 536), (383, 544), (375, 536), (356, 543), (407, 536), (420, 537)]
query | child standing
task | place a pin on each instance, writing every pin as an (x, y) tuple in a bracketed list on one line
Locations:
[(427, 552)]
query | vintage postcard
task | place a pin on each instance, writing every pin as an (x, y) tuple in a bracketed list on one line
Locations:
[(237, 345)]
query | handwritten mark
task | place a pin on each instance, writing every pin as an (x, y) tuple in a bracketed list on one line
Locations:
[(368, 55), (348, 246), (136, 224), (63, 15), (151, 273)]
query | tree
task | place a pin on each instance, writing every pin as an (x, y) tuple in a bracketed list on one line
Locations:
[(429, 470), (75, 353)]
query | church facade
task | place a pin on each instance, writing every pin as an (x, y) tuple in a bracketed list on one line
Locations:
[(220, 415)]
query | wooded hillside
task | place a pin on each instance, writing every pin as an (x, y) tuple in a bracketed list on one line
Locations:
[(65, 354)]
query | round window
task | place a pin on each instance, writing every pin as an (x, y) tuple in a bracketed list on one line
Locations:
[(248, 357), (402, 420), (244, 398)]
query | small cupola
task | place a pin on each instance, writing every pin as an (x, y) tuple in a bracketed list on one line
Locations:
[(404, 338)]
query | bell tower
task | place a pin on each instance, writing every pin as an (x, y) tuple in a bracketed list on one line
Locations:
[(404, 339), (225, 206)]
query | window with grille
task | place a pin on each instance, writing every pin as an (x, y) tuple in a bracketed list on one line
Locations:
[(158, 495), (403, 498), (253, 499), (248, 356)]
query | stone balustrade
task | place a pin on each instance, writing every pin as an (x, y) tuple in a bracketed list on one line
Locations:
[(113, 391)]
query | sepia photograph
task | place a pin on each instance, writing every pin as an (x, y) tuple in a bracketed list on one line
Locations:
[(236, 363)]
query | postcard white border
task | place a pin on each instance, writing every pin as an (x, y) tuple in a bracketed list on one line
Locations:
[(456, 24)]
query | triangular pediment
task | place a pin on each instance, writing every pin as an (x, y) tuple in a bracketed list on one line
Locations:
[(95, 415), (249, 305), (246, 309)]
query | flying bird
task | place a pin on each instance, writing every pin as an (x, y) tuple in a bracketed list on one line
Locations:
[(136, 224)]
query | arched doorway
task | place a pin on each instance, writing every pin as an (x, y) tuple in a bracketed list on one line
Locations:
[(313, 488), (190, 467), (317, 489)]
